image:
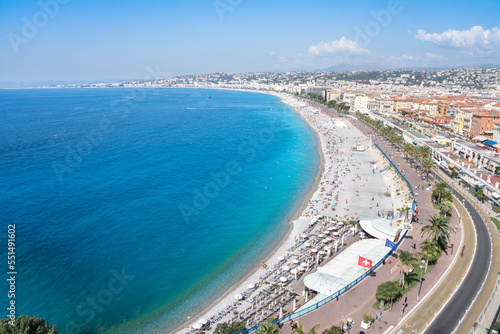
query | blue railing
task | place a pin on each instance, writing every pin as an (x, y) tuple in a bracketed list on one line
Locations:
[(390, 161), (337, 294)]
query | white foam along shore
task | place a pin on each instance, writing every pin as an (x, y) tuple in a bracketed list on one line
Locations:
[(350, 196)]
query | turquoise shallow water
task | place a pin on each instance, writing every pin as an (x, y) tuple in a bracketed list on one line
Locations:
[(135, 209)]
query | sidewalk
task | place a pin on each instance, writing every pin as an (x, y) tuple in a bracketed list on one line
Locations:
[(360, 299), (433, 303)]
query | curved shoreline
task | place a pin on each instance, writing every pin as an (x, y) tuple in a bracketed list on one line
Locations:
[(292, 228)]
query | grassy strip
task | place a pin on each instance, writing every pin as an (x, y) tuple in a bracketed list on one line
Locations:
[(496, 221), (411, 280)]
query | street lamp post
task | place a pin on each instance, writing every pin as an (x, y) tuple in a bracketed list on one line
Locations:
[(421, 272)]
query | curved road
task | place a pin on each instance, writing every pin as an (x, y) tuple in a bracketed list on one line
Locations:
[(450, 316)]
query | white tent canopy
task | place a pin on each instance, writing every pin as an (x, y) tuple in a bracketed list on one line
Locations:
[(379, 228), (343, 269)]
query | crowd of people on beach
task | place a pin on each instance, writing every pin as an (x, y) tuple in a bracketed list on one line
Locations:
[(327, 211)]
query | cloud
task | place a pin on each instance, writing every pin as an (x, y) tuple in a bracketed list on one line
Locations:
[(343, 45), (407, 57), (475, 37), (434, 56)]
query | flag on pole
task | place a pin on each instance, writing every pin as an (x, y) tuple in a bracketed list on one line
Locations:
[(363, 262), (390, 244)]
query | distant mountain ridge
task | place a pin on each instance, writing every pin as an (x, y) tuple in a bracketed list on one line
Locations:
[(381, 67)]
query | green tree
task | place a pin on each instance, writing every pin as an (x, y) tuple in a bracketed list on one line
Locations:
[(437, 229), (300, 329), (387, 292), (225, 328), (424, 152), (332, 104), (446, 208), (441, 190), (480, 195), (431, 251), (27, 325), (405, 264), (268, 328), (428, 164), (333, 330)]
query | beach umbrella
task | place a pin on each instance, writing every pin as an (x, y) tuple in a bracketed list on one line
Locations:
[(295, 261), (238, 297), (251, 285), (203, 321), (326, 232), (321, 235), (314, 250), (336, 234), (285, 268), (281, 258), (283, 279), (307, 244), (303, 264), (300, 268), (197, 325)]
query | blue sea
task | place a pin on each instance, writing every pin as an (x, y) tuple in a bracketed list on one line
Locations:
[(134, 209)]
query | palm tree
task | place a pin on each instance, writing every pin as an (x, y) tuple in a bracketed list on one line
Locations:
[(430, 251), (405, 264), (438, 228), (439, 189), (300, 329), (387, 291), (398, 141), (333, 330), (424, 151), (427, 164), (445, 208), (268, 328), (408, 150)]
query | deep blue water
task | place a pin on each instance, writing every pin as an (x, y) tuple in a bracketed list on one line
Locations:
[(134, 209)]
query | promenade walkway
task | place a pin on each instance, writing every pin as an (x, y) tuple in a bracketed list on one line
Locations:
[(360, 299)]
